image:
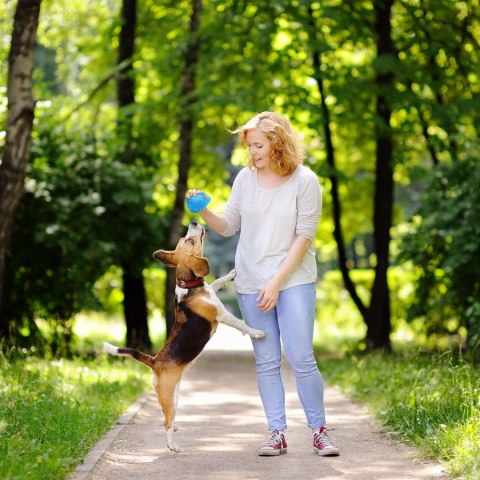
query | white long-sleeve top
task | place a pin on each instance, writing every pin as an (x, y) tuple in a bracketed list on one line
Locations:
[(269, 220)]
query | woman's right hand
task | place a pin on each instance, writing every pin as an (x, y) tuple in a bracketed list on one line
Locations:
[(216, 222), (192, 193)]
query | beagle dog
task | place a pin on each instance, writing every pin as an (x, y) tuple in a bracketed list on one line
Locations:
[(197, 313)]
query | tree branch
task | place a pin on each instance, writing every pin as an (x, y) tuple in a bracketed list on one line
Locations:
[(120, 68)]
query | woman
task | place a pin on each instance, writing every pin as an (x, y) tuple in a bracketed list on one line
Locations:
[(276, 204)]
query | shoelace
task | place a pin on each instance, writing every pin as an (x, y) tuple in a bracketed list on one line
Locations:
[(323, 439), (274, 439)]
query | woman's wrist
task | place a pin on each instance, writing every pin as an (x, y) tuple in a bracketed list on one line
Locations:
[(216, 222)]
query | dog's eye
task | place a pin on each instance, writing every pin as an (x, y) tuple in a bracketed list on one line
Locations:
[(191, 240)]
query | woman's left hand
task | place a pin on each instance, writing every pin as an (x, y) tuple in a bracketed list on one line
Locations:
[(268, 297)]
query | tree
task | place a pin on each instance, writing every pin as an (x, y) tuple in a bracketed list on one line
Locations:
[(345, 90), (331, 161), (443, 242), (134, 301), (186, 121), (378, 314), (21, 111), (442, 236)]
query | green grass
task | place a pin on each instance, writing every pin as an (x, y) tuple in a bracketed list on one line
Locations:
[(429, 402), (53, 412)]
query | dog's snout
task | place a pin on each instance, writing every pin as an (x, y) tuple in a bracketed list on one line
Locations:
[(195, 229)]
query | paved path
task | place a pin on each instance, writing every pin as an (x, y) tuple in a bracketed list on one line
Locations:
[(221, 424)]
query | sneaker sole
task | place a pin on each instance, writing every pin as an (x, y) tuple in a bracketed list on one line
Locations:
[(271, 453), (329, 452)]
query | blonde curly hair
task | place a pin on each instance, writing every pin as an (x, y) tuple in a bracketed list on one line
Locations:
[(287, 150)]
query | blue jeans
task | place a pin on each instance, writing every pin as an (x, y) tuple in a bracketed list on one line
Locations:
[(291, 323)]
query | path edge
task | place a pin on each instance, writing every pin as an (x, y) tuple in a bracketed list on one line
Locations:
[(96, 452)]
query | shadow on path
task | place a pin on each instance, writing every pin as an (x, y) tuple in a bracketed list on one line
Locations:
[(222, 423)]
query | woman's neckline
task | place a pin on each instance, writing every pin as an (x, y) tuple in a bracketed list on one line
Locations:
[(272, 189)]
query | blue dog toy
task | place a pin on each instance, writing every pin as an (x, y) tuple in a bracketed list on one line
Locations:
[(198, 202)]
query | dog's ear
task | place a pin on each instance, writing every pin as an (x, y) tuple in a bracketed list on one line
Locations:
[(168, 258), (198, 265)]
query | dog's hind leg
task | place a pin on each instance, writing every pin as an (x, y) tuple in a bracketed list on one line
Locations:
[(175, 400), (170, 429), (167, 393), (154, 384)]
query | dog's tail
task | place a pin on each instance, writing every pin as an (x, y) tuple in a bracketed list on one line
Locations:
[(129, 352)]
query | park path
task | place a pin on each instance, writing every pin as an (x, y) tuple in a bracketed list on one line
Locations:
[(221, 424)]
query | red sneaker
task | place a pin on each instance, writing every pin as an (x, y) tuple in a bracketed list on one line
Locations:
[(275, 445), (323, 444)]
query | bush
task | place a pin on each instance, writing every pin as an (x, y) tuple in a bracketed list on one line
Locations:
[(81, 212), (444, 245)]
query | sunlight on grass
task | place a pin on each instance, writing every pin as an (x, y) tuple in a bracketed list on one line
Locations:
[(339, 326), (92, 329), (431, 402), (96, 327), (68, 405)]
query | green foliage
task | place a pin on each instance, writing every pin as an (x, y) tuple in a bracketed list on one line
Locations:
[(444, 244), (94, 213), (340, 326), (431, 403), (52, 413), (82, 211)]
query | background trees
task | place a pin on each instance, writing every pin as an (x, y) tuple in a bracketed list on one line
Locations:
[(20, 114), (443, 241), (134, 295), (385, 93)]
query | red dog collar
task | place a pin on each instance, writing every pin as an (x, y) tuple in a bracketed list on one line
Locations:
[(191, 284)]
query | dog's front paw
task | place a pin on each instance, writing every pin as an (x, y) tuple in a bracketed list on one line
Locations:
[(231, 275), (256, 334)]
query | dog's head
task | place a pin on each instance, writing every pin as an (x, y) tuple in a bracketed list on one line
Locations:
[(187, 257)]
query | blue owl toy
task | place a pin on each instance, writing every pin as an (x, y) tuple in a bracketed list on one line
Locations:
[(198, 202)]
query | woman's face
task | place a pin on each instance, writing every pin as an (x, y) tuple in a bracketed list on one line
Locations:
[(259, 147)]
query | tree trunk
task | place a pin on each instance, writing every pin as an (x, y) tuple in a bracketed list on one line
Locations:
[(378, 315), (337, 211), (20, 114), (135, 308), (186, 131), (134, 295)]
